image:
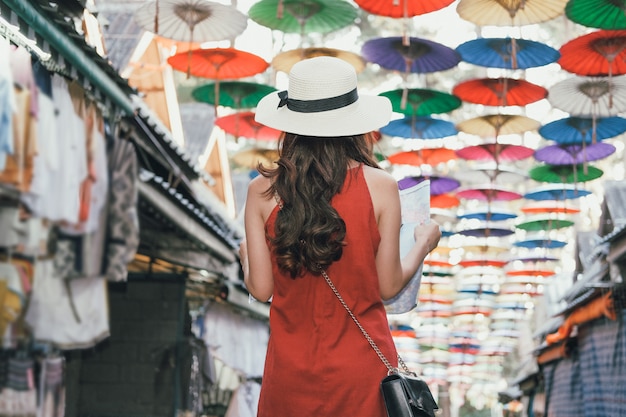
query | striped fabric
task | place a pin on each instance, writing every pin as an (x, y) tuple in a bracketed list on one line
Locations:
[(591, 382)]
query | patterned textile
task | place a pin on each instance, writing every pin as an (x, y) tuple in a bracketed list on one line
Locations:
[(123, 221), (590, 383)]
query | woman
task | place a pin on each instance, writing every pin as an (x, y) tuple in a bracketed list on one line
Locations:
[(326, 205)]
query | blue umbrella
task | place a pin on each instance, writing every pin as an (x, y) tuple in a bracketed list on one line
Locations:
[(415, 56), (419, 127), (487, 215), (574, 130), (540, 243), (556, 192), (509, 53)]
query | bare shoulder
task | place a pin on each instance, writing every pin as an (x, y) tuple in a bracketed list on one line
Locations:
[(257, 199), (378, 178)]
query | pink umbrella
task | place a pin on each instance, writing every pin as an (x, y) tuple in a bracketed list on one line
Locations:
[(495, 152)]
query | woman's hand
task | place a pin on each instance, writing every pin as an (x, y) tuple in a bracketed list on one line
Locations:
[(428, 234)]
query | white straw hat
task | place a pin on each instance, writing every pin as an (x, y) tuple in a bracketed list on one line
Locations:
[(322, 100)]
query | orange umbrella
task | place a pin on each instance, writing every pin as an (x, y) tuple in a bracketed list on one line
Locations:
[(402, 8), (444, 201), (218, 64), (428, 156), (502, 91)]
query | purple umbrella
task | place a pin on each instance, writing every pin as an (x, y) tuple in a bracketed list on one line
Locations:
[(487, 231), (574, 154), (415, 56), (438, 185)]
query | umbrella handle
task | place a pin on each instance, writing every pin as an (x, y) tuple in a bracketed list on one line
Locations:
[(156, 17)]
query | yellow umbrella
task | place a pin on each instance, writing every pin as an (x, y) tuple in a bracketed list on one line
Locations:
[(285, 60), (250, 158), (493, 125), (509, 12)]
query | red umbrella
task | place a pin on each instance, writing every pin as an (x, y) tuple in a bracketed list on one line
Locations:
[(501, 91), (495, 152), (428, 156), (549, 208), (402, 8), (242, 124), (466, 263), (604, 53)]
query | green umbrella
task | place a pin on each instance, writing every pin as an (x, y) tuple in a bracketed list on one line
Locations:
[(421, 102), (544, 224), (565, 174), (303, 16), (233, 94), (601, 14)]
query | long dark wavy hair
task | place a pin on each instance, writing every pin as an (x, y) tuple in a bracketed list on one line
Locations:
[(309, 233)]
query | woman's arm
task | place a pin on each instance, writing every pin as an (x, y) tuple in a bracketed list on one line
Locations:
[(394, 273), (254, 252)]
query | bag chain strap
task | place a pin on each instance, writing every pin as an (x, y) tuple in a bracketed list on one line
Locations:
[(382, 357)]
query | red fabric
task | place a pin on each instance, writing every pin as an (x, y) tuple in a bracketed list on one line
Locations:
[(318, 362)]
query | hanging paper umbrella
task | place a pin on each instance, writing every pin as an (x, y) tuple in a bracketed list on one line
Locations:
[(604, 52), (509, 13), (191, 20), (242, 124), (535, 272), (548, 208), (487, 231), (438, 184), (233, 94), (602, 14), (487, 214), (421, 101), (540, 242), (486, 247), (251, 158), (285, 60), (497, 263), (545, 224), (402, 8), (303, 16), (501, 91), (218, 64), (492, 173), (565, 173), (489, 193), (427, 156), (589, 96), (573, 154), (494, 125), (419, 127), (495, 152), (577, 130), (507, 53), (558, 192), (444, 201), (418, 56)]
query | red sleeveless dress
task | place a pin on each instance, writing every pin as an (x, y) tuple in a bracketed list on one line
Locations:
[(318, 362)]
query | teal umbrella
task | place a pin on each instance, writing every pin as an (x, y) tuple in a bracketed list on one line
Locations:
[(601, 14), (567, 174), (421, 101), (303, 16), (233, 94)]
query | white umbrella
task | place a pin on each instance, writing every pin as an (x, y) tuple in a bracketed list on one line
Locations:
[(191, 20)]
